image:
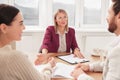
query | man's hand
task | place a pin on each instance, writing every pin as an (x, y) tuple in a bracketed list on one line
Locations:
[(76, 72), (85, 67)]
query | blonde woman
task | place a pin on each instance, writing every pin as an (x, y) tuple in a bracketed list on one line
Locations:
[(60, 39)]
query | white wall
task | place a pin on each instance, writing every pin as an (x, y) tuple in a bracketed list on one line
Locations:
[(30, 43), (89, 40)]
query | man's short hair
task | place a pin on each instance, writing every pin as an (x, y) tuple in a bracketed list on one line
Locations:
[(116, 6)]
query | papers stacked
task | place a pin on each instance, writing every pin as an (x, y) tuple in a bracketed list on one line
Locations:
[(62, 70)]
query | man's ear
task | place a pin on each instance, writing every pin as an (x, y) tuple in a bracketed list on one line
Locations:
[(119, 15), (3, 28)]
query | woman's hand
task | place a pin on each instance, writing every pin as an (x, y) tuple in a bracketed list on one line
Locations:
[(52, 62), (77, 53), (84, 66), (41, 58)]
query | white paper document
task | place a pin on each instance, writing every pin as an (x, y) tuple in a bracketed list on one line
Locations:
[(62, 70), (73, 60)]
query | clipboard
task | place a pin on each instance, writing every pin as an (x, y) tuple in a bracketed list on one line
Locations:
[(72, 60)]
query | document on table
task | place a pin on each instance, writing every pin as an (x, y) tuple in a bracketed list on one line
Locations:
[(62, 70), (73, 60)]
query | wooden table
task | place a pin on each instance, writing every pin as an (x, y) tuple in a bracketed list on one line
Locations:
[(95, 75)]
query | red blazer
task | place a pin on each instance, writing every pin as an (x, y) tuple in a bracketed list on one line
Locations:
[(51, 40)]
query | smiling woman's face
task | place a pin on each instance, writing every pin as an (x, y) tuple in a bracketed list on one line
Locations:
[(61, 19), (14, 31)]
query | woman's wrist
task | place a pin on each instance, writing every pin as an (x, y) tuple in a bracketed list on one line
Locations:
[(77, 49), (44, 51)]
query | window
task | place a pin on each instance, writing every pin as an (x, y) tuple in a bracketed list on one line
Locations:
[(92, 12), (86, 14), (3, 1), (82, 13), (68, 6), (110, 2), (30, 11)]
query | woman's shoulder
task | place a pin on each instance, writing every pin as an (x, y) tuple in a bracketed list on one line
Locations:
[(70, 29), (15, 57), (18, 54), (50, 27)]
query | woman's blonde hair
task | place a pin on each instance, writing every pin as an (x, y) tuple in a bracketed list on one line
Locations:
[(55, 23)]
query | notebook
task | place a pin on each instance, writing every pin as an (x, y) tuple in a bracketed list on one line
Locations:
[(73, 60), (62, 70)]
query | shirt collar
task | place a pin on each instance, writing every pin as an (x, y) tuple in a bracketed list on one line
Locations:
[(64, 33)]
